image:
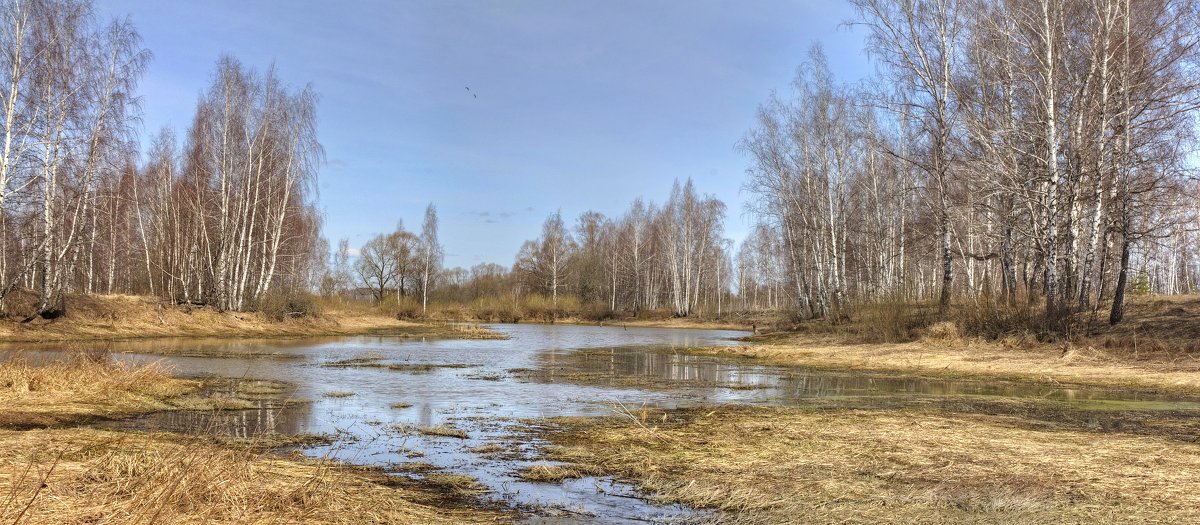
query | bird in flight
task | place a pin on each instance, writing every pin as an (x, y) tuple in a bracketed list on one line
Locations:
[(472, 94)]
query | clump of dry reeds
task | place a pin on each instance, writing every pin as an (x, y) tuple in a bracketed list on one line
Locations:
[(549, 473), (443, 431), (87, 386)]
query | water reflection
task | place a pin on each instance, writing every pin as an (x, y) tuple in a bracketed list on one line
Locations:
[(242, 424)]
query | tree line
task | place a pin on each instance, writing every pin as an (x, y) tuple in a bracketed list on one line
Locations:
[(225, 217), (670, 256), (1023, 150)]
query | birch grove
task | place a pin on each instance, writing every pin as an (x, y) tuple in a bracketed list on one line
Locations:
[(225, 218), (1028, 150)]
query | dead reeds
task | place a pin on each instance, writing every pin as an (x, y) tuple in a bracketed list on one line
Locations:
[(85, 476), (80, 388)]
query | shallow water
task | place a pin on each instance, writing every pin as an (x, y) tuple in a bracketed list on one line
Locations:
[(375, 393)]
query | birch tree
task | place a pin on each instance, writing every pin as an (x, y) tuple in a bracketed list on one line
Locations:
[(430, 253)]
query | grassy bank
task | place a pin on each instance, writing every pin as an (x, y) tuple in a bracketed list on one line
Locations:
[(83, 389), (1042, 363), (1154, 349), (788, 465), (113, 317), (54, 472), (86, 476)]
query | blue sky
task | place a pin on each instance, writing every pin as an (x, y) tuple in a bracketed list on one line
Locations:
[(579, 105)]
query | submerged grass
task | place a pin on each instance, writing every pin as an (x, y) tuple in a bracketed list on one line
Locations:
[(458, 484), (768, 465)]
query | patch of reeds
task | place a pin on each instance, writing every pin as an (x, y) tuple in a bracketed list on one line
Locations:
[(458, 484), (443, 431), (487, 448), (550, 473), (86, 387)]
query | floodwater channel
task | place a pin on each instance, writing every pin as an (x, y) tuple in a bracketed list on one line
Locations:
[(389, 401)]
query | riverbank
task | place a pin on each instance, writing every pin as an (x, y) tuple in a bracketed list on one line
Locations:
[(122, 317), (921, 459), (55, 471), (1156, 348), (912, 465), (1061, 363)]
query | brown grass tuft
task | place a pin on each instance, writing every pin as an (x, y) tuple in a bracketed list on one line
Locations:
[(547, 473), (943, 331), (443, 431)]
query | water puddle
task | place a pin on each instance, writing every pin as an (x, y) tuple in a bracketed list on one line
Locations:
[(422, 408)]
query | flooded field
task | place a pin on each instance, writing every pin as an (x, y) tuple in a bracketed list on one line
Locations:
[(475, 408)]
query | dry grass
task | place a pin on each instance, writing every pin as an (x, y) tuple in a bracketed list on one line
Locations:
[(112, 317), (548, 473), (88, 476), (457, 484), (82, 388), (861, 466), (89, 387), (487, 448), (443, 431), (1154, 328), (473, 331)]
